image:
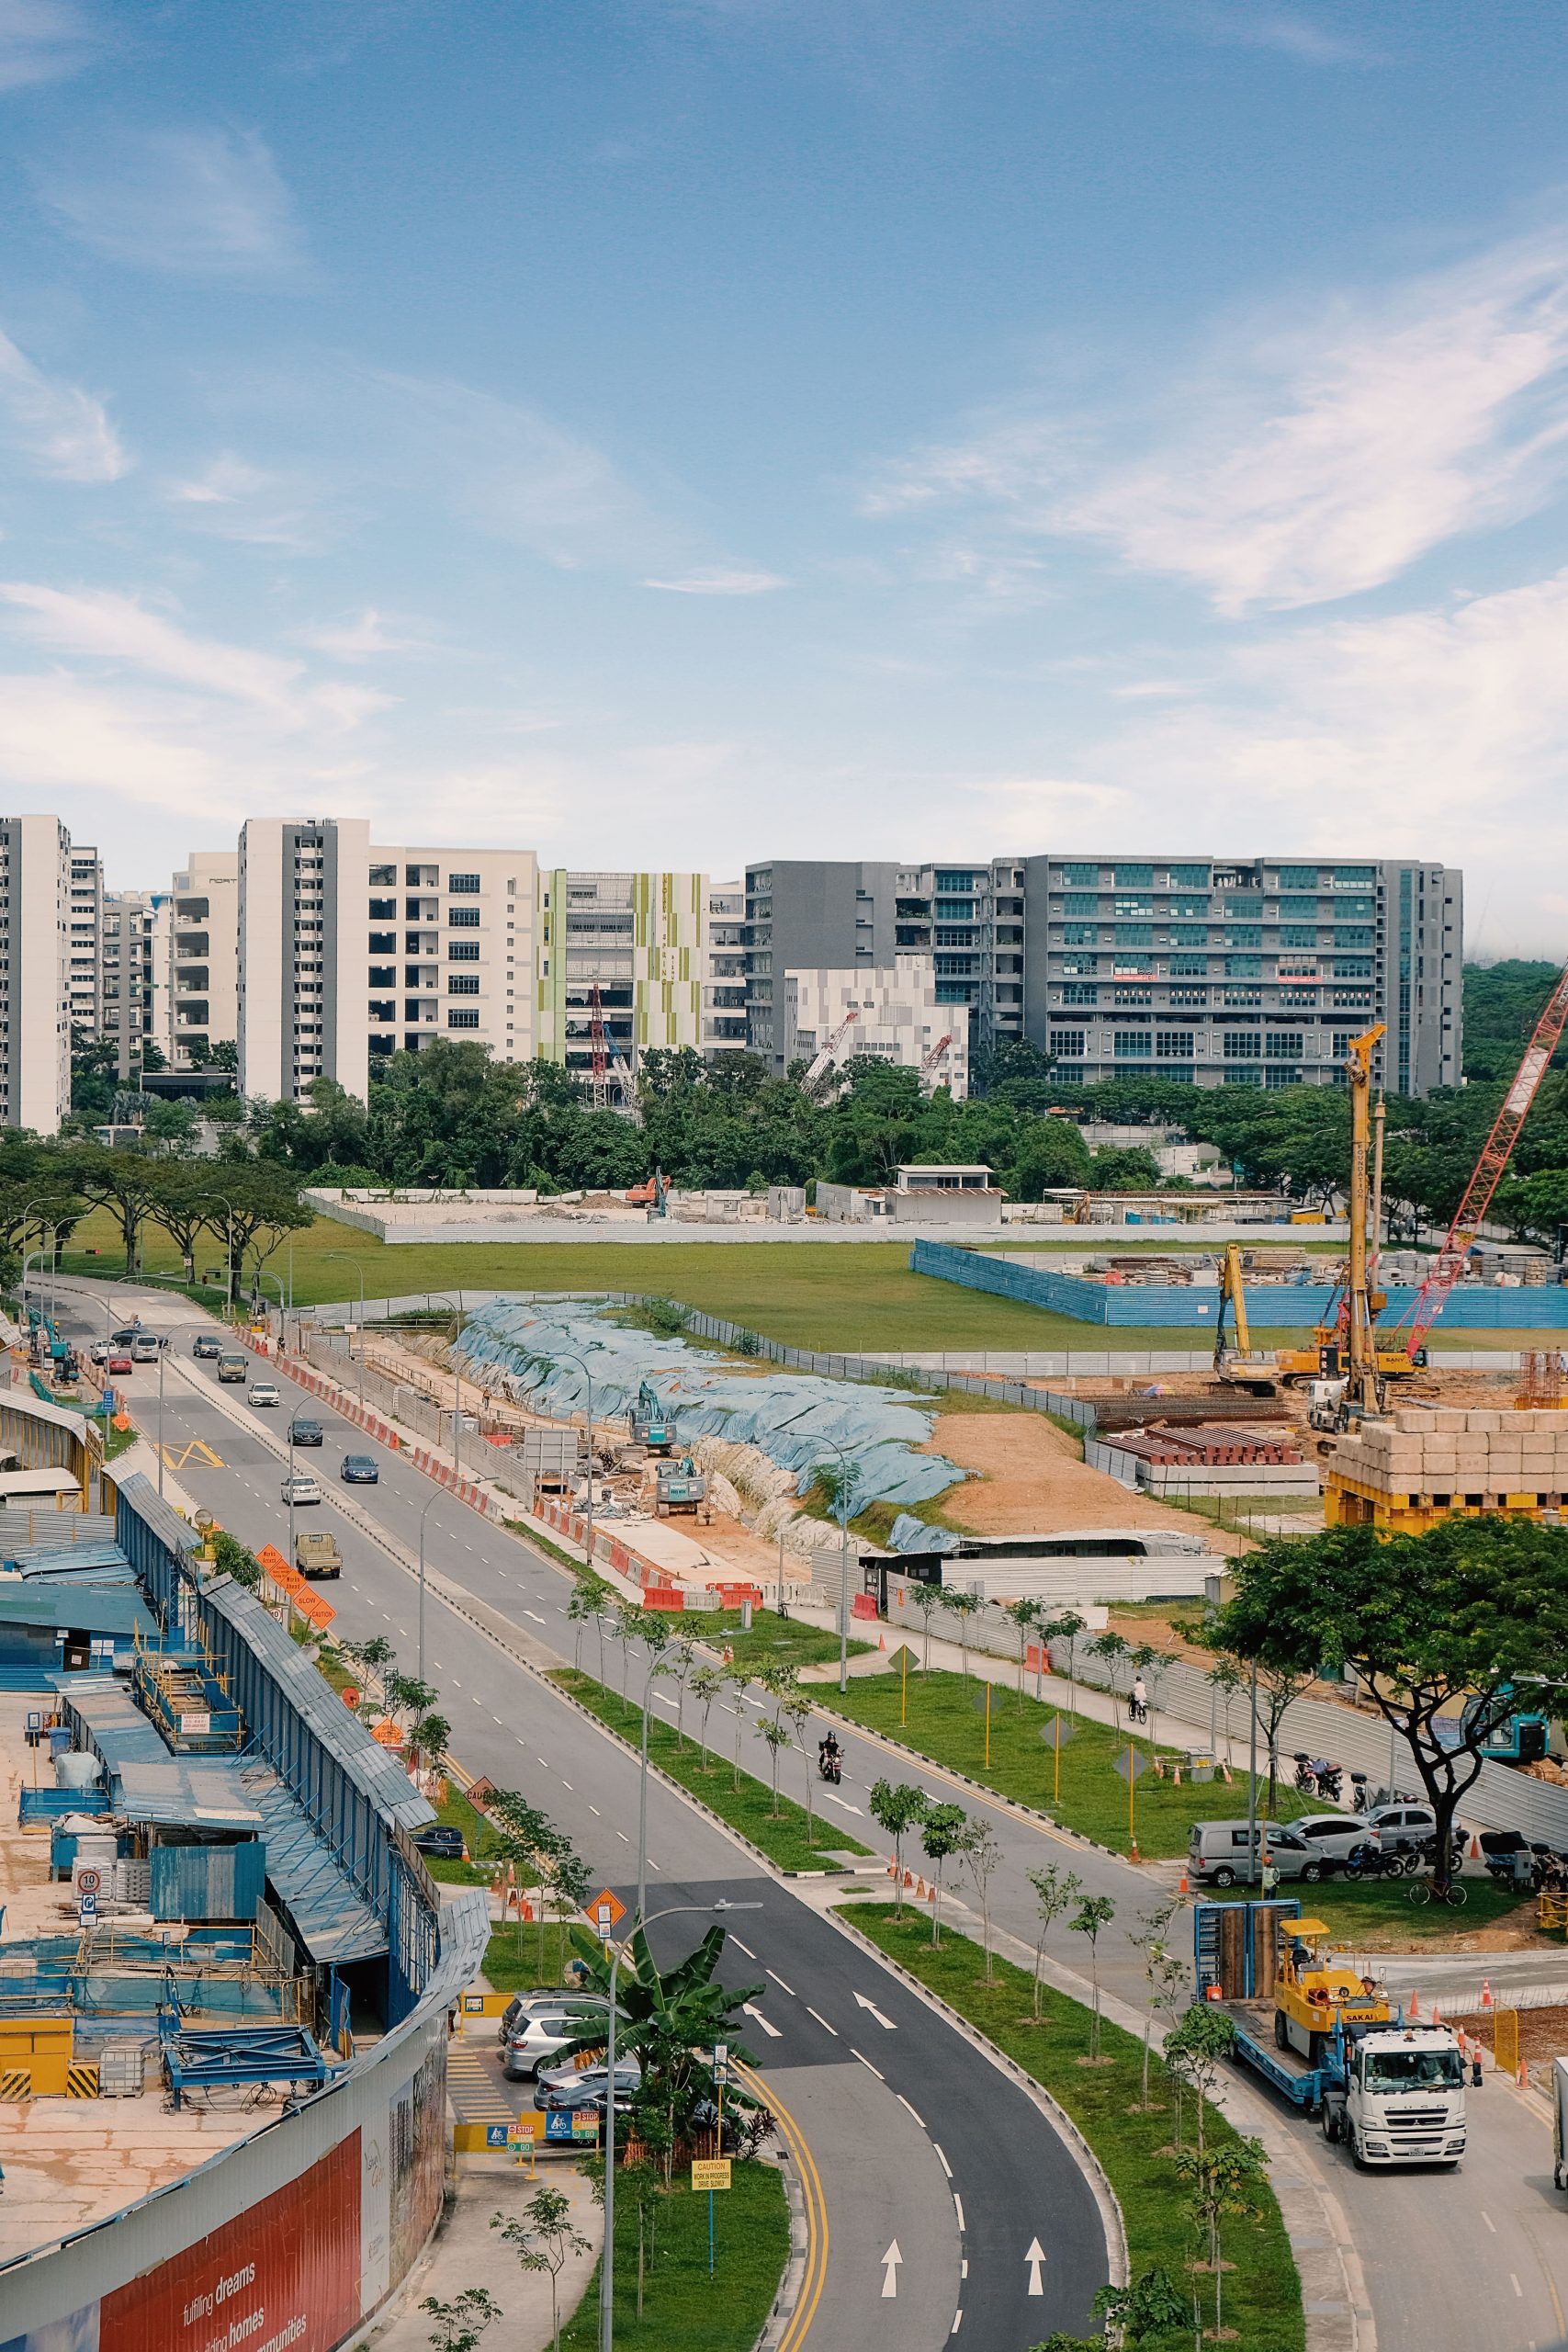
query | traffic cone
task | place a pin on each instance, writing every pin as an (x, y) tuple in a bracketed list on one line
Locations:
[(1437, 2016), (892, 1870), (930, 1891), (882, 1641), (1524, 2075), (908, 1878), (1487, 1992), (1474, 1847), (920, 1892), (1413, 2010), (1183, 1888)]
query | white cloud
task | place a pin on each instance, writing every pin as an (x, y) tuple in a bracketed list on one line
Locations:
[(66, 431), (721, 580), (99, 626), (194, 202), (231, 499), (367, 638), (1309, 465), (1248, 26), (42, 40)]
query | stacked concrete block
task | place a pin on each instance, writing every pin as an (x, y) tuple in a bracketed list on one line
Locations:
[(1427, 1460)]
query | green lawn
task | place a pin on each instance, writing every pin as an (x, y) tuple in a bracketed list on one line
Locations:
[(683, 2309), (773, 1640), (1380, 1916), (1262, 2293), (944, 1723), (748, 1806)]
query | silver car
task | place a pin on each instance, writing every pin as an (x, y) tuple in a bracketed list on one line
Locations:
[(539, 2035)]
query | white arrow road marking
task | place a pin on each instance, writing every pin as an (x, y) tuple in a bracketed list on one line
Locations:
[(885, 2023), (842, 1801), (891, 2260), (756, 2015), (1034, 2257)]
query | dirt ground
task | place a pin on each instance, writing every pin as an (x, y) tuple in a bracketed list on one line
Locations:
[(1032, 1479), (1543, 2033)]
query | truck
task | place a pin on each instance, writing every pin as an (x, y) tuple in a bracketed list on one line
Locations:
[(318, 1555), (232, 1366), (1326, 2040)]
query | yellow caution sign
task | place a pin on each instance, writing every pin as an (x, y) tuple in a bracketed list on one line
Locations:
[(710, 2172)]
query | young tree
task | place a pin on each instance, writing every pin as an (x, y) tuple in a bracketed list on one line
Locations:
[(1147, 2308), (1117, 1653), (963, 1606), (1066, 1628), (981, 1853), (566, 1880), (428, 1735), (682, 1658), (1195, 2049), (941, 1834), (1224, 2179), (1456, 1619), (1162, 1970), (707, 1681), (543, 2237), (1094, 1913), (1027, 1617), (740, 1681), (776, 1734), (584, 1605), (896, 1807), (926, 1598), (1056, 1889), (796, 1713), (460, 2323), (1154, 1665)]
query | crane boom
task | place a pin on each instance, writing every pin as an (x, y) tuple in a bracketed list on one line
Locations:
[(828, 1054), (930, 1060), (1499, 1149)]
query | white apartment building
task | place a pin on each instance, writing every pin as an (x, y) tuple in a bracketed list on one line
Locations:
[(896, 1016), (205, 990), (301, 1000), (723, 969), (641, 940), (137, 928), (84, 970), (34, 1022), (450, 950)]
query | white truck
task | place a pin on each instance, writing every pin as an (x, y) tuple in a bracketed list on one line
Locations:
[(1400, 2099)]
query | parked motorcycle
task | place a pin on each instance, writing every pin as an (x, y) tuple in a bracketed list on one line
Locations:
[(1369, 1861), (1317, 1777)]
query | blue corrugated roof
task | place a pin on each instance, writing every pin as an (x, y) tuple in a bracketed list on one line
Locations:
[(78, 1560), (94, 1608), (204, 1791), (336, 1924), (111, 1719)]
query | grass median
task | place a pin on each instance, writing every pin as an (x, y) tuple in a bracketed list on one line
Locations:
[(944, 1717), (685, 2310), (783, 1833), (1262, 2292)]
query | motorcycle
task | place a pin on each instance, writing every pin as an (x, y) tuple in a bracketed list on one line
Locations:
[(1317, 1777), (830, 1765), (1369, 1861)]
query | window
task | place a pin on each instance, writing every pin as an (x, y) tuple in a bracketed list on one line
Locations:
[(463, 882), (1133, 906), (383, 877), (1298, 910), (1070, 1043), (1353, 910), (1189, 934), (1348, 935), (1242, 1045), (1080, 877), (1352, 967), (462, 1020), (1135, 934), (1080, 992), (1078, 965), (1298, 1000), (1283, 1046), (1351, 1000), (1189, 996), (1080, 904), (1188, 877), (1174, 1045), (949, 910), (1244, 967), (947, 938), (1133, 996), (1242, 999), (1196, 909), (1297, 878), (1354, 878), (1079, 934), (1243, 902), (1290, 1077), (1298, 935), (420, 878), (383, 942), (462, 951), (383, 1044), (954, 881), (1132, 1045), (383, 976), (1134, 877), (462, 984), (387, 1011), (1243, 934), (955, 967), (464, 918), (1189, 967), (383, 910)]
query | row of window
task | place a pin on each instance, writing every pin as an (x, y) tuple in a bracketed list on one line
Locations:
[(1200, 877), (1180, 1044)]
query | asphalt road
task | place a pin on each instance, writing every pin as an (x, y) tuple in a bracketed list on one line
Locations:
[(918, 2138)]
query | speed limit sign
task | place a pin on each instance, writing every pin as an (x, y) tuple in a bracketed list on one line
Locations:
[(88, 1882)]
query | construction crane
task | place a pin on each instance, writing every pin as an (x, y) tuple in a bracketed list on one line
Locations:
[(1242, 1365), (1363, 1391), (608, 1061), (1499, 1149), (930, 1060), (828, 1055)]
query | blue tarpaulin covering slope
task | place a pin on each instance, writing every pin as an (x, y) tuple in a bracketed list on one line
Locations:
[(527, 1351)]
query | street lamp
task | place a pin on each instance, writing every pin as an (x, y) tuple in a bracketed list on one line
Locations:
[(433, 1497), (229, 1247), (607, 2266), (842, 1513), (456, 1391)]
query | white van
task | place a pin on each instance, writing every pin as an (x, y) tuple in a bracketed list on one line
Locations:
[(1221, 1852)]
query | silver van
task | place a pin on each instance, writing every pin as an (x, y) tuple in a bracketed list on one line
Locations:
[(1219, 1854)]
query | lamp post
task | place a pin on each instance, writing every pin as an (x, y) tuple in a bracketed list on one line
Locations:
[(433, 1497), (457, 1390), (350, 1260), (44, 1201), (842, 1513), (581, 1365), (607, 2266)]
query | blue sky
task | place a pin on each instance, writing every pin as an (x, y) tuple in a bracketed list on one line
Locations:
[(677, 431)]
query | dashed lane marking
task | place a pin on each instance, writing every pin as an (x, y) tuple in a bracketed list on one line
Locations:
[(820, 2019)]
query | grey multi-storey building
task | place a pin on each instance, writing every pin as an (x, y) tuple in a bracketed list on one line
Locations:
[(1209, 970), (809, 914), (84, 947)]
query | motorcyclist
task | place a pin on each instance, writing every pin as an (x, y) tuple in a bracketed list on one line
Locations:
[(828, 1756)]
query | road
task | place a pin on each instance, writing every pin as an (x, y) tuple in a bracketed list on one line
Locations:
[(919, 2139)]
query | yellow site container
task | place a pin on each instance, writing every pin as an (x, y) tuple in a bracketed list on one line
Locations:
[(42, 2046), (1347, 1503)]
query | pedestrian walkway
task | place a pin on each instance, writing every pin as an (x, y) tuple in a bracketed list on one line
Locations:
[(468, 2251)]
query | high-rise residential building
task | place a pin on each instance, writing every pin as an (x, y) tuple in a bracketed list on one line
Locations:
[(723, 969), (34, 1019), (448, 942), (892, 1011), (814, 915), (206, 957), (301, 1004), (137, 929), (1248, 970), (84, 968), (639, 939)]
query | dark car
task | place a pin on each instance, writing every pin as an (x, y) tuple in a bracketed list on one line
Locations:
[(302, 1431), (359, 1470), (585, 2087), (206, 1343), (442, 1843)]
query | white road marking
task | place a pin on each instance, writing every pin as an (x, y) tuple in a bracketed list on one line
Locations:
[(885, 2023), (535, 1616), (844, 1802), (958, 2209), (821, 2020), (623, 1839), (779, 1980), (1516, 2286), (740, 1947), (1489, 2221), (904, 2102), (891, 2260), (964, 2269), (957, 2320), (566, 1784), (596, 1812), (1034, 2258), (749, 2009), (942, 2159), (866, 2062)]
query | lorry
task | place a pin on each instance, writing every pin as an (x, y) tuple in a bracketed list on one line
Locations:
[(318, 1555), (232, 1366), (1326, 2040)]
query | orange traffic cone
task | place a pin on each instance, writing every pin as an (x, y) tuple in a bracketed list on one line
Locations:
[(881, 1642), (930, 1891), (920, 1892), (908, 1878), (1437, 2017), (1524, 2076), (1415, 2009), (1487, 1992), (1183, 1888), (1474, 1847)]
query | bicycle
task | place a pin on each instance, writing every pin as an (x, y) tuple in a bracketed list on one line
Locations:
[(1456, 1894)]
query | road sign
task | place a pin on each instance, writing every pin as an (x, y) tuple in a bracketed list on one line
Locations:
[(87, 1909), (1058, 1732), (903, 1661), (710, 2172), (1130, 1764), (88, 1882), (607, 1910), (522, 2132)]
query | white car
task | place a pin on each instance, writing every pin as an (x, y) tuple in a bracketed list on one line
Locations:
[(1335, 1834), (263, 1392), (102, 1351), (302, 1488)]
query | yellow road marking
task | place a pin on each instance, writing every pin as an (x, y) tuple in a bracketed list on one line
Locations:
[(174, 1461), (811, 2285)]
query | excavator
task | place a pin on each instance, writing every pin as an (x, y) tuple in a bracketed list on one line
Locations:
[(1240, 1365)]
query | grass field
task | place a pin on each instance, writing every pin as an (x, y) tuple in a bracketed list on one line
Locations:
[(946, 1722), (783, 1835), (683, 2309), (1262, 2293)]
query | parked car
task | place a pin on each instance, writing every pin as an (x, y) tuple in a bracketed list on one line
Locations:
[(119, 1363), (206, 1344), (1404, 1827), (146, 1347), (544, 1996), (1218, 1854), (359, 1470), (1335, 1834), (439, 1840), (302, 1488), (263, 1392), (581, 2086), (101, 1350), (302, 1431), (539, 2035)]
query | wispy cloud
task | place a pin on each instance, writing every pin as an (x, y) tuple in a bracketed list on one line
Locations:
[(44, 41), (64, 430), (1284, 30), (369, 636), (196, 203), (1304, 466), (231, 499), (721, 580)]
